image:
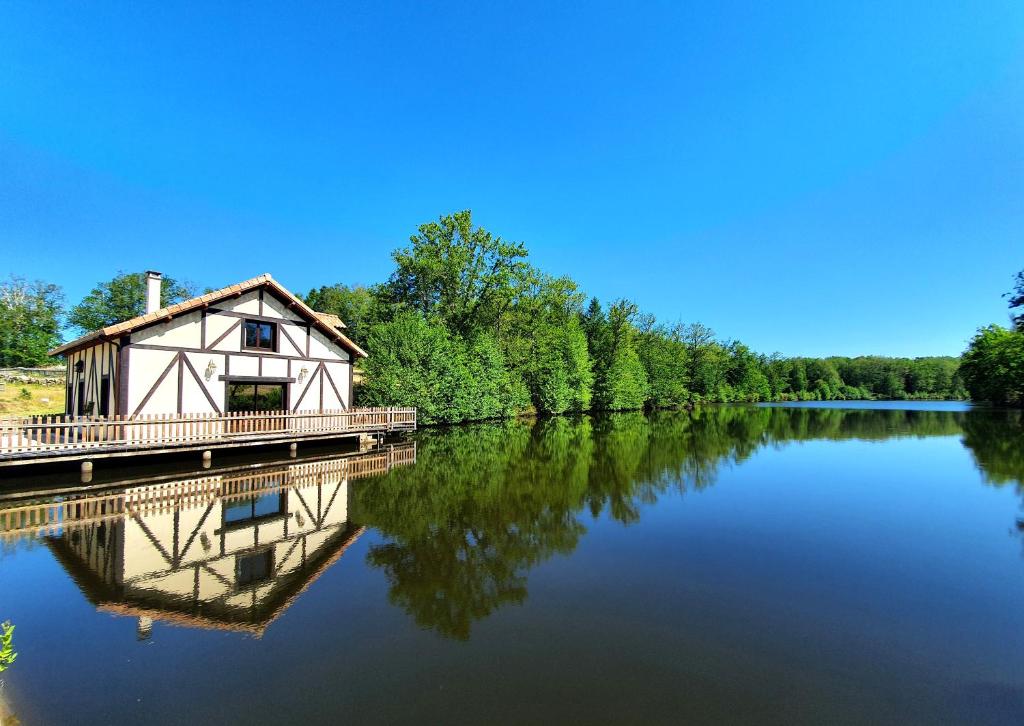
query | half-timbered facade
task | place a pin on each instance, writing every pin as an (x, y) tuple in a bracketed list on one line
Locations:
[(253, 346)]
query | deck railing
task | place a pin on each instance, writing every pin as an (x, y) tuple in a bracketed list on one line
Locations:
[(19, 435)]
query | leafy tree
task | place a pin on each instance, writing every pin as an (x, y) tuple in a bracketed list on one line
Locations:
[(1016, 297), (418, 363), (663, 355), (706, 362), (745, 374), (622, 382), (992, 368), (358, 307), (123, 298), (561, 378), (30, 315), (550, 346), (462, 274)]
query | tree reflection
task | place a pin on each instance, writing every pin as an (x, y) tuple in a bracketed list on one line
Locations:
[(996, 440), (486, 503), (491, 502)]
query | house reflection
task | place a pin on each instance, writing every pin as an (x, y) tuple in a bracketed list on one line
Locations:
[(228, 551)]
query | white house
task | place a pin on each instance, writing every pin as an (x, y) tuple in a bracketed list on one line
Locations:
[(253, 346)]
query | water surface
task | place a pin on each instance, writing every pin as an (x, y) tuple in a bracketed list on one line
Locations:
[(786, 564)]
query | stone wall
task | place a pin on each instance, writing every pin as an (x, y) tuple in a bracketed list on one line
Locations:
[(44, 376)]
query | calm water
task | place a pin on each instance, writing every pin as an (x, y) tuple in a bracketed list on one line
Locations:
[(787, 565)]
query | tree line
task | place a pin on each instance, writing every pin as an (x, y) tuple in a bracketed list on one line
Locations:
[(466, 328)]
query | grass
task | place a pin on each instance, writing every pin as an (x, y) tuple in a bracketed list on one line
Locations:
[(41, 400)]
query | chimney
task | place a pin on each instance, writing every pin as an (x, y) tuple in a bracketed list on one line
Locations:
[(153, 282)]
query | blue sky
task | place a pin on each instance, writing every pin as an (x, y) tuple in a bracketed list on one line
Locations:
[(808, 178)]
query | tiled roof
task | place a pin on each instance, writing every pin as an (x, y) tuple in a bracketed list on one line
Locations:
[(333, 320), (265, 280)]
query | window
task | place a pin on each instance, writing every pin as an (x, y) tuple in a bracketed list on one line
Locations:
[(254, 568), (260, 335), (81, 399), (249, 510), (105, 396)]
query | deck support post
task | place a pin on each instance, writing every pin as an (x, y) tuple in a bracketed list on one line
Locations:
[(86, 472), (207, 459), (293, 449)]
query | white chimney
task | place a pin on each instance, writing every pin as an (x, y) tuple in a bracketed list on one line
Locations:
[(153, 282)]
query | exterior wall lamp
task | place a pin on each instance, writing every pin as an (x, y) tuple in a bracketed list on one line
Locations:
[(211, 368)]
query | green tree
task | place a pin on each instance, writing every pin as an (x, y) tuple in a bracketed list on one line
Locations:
[(621, 378), (1016, 296), (706, 362), (992, 368), (548, 346), (419, 363), (663, 355), (357, 307), (123, 298), (745, 375), (30, 315), (462, 274)]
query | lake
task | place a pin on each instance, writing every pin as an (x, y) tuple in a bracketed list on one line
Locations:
[(797, 564)]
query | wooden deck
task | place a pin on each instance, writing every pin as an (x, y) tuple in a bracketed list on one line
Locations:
[(80, 438)]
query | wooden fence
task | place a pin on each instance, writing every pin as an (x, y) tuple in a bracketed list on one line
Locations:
[(19, 435)]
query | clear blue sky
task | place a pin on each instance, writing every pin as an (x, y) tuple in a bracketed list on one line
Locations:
[(805, 177)]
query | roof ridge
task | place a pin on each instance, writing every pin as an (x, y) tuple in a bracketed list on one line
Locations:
[(194, 302)]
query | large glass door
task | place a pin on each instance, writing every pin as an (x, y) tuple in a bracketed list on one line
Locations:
[(256, 398)]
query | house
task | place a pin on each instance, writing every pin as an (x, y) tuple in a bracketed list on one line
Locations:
[(253, 346)]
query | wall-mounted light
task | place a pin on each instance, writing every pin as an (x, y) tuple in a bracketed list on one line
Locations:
[(303, 373), (79, 366), (211, 368)]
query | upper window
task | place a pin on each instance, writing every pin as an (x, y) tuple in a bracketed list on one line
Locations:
[(259, 334)]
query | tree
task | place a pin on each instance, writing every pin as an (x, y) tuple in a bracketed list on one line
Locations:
[(419, 363), (621, 378), (462, 274), (356, 306), (547, 345), (30, 315), (744, 374), (992, 368), (412, 365), (706, 362), (122, 298), (1016, 297), (663, 355)]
